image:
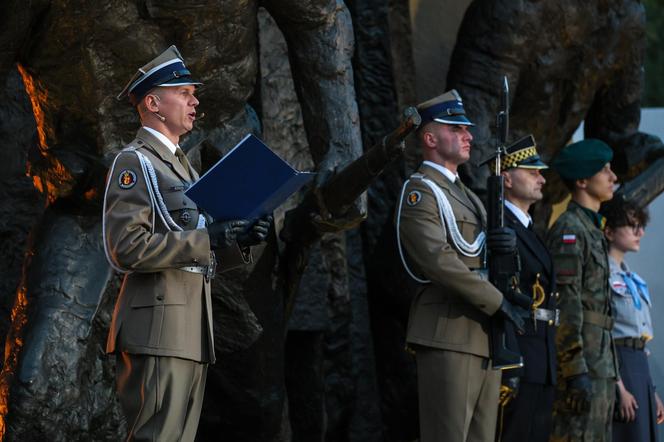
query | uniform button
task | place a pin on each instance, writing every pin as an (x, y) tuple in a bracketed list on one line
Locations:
[(160, 297), (557, 295), (550, 321)]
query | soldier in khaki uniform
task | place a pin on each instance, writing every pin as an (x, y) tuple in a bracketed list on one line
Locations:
[(440, 228), (162, 323), (587, 368)]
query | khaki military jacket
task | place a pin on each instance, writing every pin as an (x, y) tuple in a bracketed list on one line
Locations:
[(161, 310), (452, 311), (580, 255)]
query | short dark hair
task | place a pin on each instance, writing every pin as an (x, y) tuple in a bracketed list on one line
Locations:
[(620, 212), (569, 184)]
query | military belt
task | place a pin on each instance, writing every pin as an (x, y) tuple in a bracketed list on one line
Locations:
[(598, 319), (635, 343), (483, 273), (551, 317), (195, 269), (207, 271)]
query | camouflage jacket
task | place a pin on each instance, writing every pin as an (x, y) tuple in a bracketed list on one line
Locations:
[(580, 254)]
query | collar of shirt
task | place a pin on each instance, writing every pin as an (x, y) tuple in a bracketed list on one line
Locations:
[(615, 268), (636, 287), (522, 216), (598, 220), (161, 137), (442, 169)]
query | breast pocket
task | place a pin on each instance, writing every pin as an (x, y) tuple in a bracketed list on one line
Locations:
[(622, 301), (468, 226), (181, 208), (596, 272)]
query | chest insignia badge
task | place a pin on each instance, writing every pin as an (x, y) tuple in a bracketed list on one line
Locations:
[(185, 217)]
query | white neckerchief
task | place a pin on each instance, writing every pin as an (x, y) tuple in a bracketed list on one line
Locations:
[(442, 169), (161, 137), (523, 217)]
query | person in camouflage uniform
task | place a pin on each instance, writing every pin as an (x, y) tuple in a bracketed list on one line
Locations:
[(587, 366)]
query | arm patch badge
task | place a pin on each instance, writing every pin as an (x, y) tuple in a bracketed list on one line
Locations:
[(414, 197), (569, 238), (127, 179)]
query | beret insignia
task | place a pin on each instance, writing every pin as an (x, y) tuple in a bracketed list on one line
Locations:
[(127, 179), (414, 197)]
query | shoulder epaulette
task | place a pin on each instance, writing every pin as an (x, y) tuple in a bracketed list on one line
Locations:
[(131, 146)]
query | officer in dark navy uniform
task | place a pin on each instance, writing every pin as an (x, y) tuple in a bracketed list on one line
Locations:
[(527, 393)]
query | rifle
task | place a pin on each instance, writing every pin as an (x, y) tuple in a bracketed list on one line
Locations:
[(503, 269)]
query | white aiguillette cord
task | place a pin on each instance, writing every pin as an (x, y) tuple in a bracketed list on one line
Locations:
[(447, 220)]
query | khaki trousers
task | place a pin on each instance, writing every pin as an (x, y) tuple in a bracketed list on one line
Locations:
[(160, 396), (458, 396)]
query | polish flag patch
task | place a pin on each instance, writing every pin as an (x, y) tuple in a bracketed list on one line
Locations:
[(569, 238), (618, 285)]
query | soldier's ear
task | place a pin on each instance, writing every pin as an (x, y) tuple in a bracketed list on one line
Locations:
[(428, 139), (508, 179), (151, 103)]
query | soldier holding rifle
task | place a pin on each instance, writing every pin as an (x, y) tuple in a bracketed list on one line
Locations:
[(441, 233), (527, 393)]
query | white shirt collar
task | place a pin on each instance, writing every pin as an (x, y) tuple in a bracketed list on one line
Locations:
[(442, 169), (161, 137), (522, 216)]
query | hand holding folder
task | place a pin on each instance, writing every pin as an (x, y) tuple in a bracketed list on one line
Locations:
[(249, 182)]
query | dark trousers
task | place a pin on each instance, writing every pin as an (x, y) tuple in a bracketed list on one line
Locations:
[(160, 396), (635, 374), (527, 417)]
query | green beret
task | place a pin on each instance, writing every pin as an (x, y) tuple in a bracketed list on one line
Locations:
[(582, 159)]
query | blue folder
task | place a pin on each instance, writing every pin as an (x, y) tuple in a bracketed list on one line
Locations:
[(249, 182)]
